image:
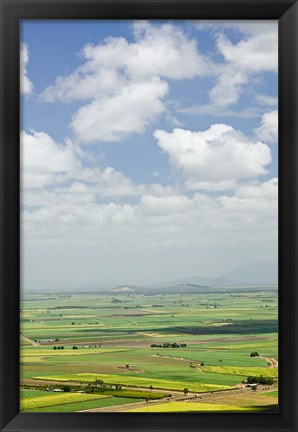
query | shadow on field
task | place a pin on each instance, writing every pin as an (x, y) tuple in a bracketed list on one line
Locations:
[(266, 408), (241, 327)]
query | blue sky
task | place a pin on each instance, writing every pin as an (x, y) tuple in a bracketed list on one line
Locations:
[(149, 149)]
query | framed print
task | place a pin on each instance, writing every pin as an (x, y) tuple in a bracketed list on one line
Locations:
[(148, 215)]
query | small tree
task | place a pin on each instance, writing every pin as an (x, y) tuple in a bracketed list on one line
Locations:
[(54, 347), (74, 347), (185, 391), (202, 363), (127, 366), (254, 354), (66, 388)]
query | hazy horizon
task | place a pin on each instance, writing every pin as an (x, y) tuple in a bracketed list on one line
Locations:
[(222, 279)]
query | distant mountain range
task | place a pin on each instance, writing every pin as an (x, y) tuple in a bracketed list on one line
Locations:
[(247, 277), (257, 273)]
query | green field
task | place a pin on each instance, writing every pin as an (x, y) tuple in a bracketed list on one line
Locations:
[(56, 399), (32, 393), (107, 348), (271, 394), (42, 401), (136, 382), (81, 406)]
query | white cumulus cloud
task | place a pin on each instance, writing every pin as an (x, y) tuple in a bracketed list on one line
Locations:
[(255, 53), (215, 158), (26, 85), (44, 161), (113, 117), (126, 81), (265, 190), (268, 129), (48, 164)]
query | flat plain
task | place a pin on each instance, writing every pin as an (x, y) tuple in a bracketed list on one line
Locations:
[(153, 353)]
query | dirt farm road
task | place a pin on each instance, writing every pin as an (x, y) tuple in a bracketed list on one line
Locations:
[(201, 397), (271, 361), (29, 341)]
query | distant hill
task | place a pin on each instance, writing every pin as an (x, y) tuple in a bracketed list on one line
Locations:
[(261, 272), (127, 289), (196, 281), (216, 285), (257, 273), (185, 288)]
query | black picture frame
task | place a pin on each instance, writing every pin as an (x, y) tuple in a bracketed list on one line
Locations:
[(12, 11)]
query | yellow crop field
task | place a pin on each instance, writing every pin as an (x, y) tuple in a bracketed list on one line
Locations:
[(190, 407), (244, 371), (136, 382), (50, 352), (31, 359), (157, 335), (57, 399)]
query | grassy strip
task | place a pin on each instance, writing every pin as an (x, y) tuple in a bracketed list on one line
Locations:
[(135, 394), (135, 382), (273, 393), (32, 393), (54, 399), (67, 351), (81, 406), (29, 359)]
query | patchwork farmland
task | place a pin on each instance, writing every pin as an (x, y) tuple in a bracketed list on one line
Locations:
[(128, 352)]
